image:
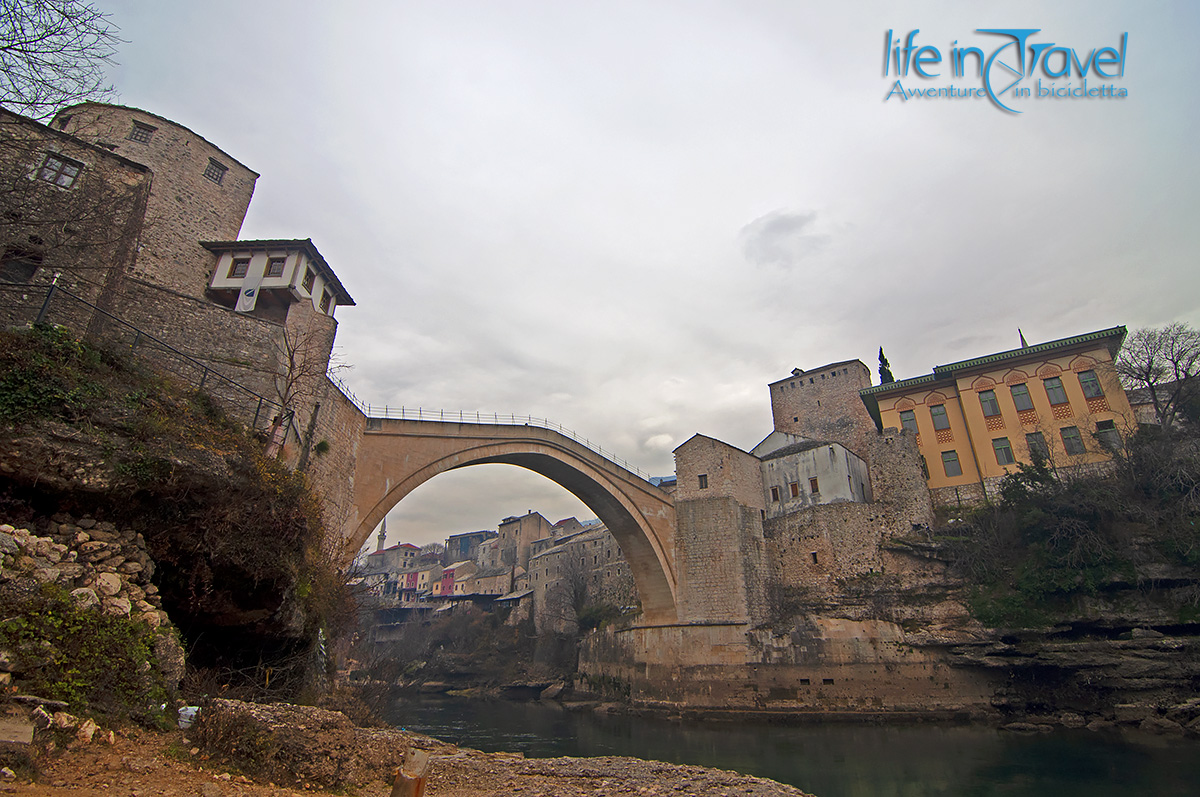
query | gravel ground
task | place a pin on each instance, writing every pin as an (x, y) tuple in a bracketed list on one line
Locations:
[(148, 764)]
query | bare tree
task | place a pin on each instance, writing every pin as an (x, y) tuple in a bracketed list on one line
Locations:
[(52, 54), (431, 553), (303, 354), (567, 595), (1165, 363)]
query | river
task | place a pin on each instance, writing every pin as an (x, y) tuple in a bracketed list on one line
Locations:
[(831, 760)]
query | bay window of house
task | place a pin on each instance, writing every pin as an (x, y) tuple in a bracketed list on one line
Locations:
[(325, 297), (950, 463), (1054, 390), (1090, 384), (310, 277), (1021, 398), (1004, 454), (239, 267), (1072, 441), (987, 400), (275, 266), (908, 420), (941, 420)]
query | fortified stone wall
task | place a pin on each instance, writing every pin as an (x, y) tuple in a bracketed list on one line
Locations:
[(79, 214), (237, 345), (340, 425), (185, 207), (823, 404), (813, 549), (721, 559), (840, 667), (899, 480)]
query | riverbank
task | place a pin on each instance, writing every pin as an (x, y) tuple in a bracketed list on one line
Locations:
[(141, 763), (1172, 719)]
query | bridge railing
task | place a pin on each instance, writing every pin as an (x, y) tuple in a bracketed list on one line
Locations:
[(464, 416)]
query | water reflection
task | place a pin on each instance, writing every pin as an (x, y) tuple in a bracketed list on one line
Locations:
[(833, 760)]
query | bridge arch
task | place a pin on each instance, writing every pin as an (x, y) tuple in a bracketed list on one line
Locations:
[(398, 456)]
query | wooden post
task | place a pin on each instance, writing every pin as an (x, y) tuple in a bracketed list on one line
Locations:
[(410, 779)]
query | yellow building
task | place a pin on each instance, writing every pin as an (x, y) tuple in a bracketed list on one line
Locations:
[(975, 419)]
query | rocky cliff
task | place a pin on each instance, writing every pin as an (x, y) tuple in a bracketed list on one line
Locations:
[(171, 496)]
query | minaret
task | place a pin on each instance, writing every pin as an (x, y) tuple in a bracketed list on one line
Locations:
[(382, 534)]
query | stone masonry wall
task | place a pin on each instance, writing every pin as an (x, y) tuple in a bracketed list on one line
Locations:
[(239, 346), (722, 561), (823, 404), (184, 207), (728, 472)]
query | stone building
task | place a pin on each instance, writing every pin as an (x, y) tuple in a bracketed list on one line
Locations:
[(139, 216), (71, 208), (582, 567), (798, 473), (466, 545), (517, 533), (488, 581), (386, 570)]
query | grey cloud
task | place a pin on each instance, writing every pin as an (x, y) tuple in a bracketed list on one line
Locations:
[(781, 239)]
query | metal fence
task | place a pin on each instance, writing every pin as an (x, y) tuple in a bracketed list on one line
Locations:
[(463, 416)]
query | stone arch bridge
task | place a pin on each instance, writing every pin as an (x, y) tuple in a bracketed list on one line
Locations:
[(396, 455)]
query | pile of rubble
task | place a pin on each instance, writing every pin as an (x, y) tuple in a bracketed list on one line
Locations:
[(99, 565), (102, 568)]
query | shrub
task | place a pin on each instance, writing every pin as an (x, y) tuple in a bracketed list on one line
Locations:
[(94, 661)]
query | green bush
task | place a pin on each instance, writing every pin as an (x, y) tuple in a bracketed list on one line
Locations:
[(45, 372), (97, 663), (1053, 537)]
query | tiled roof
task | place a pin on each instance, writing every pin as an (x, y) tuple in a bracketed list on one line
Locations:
[(797, 448), (940, 372)]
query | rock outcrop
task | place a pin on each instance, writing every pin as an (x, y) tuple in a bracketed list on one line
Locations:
[(102, 567)]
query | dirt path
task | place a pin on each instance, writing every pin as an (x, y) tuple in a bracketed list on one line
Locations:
[(148, 764)]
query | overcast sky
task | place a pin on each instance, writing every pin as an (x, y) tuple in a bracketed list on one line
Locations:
[(629, 217)]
